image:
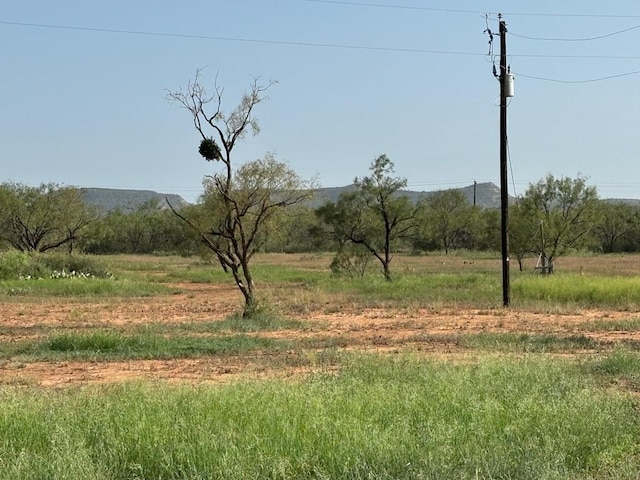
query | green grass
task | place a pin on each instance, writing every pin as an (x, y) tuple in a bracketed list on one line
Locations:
[(483, 290), (104, 345), (513, 411), (621, 366), (187, 341), (262, 322), (212, 273), (455, 282), (621, 293), (612, 325), (147, 263), (81, 288), (234, 323), (528, 343), (198, 273), (381, 418), (461, 289)]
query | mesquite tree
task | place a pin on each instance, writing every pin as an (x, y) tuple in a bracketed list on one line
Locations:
[(375, 215), (564, 210), (240, 203), (39, 219), (448, 218)]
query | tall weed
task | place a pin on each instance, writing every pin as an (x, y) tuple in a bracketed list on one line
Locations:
[(381, 418)]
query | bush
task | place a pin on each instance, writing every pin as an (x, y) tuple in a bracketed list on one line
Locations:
[(14, 264), (351, 261), (86, 264)]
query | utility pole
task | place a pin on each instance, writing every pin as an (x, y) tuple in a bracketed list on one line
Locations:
[(505, 91), (475, 188)]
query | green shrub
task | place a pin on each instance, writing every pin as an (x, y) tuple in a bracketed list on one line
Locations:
[(86, 264), (15, 264), (352, 261), (23, 265)]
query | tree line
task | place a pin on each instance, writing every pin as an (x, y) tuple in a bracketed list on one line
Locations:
[(554, 215)]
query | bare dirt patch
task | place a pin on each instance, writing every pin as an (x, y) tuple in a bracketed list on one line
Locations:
[(381, 330)]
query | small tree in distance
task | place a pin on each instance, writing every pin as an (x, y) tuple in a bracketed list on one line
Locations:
[(239, 203), (448, 217), (564, 209), (39, 219), (616, 225), (375, 215)]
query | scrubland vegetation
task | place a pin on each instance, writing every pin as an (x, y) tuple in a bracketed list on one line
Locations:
[(526, 405), (386, 359)]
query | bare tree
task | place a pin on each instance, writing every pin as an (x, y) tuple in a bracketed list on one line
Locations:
[(239, 204)]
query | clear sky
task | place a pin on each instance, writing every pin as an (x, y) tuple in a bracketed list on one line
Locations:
[(84, 103)]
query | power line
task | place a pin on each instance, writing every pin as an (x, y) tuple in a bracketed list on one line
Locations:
[(245, 40), (468, 12), (567, 15), (592, 57), (343, 46), (585, 39), (590, 80), (301, 44), (398, 7)]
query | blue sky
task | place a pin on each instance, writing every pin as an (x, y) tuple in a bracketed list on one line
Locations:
[(85, 105)]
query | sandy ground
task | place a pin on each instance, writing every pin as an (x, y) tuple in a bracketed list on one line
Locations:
[(426, 331)]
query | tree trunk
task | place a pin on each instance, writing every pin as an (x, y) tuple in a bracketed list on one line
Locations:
[(550, 266), (250, 304), (246, 287), (387, 271)]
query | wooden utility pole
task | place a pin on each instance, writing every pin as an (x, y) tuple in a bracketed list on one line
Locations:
[(504, 194), (475, 188)]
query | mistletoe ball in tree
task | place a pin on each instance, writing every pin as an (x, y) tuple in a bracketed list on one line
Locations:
[(209, 149)]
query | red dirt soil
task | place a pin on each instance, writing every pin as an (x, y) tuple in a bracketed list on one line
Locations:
[(382, 330)]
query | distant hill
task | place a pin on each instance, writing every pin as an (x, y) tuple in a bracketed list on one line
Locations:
[(487, 194), (109, 199), (629, 201)]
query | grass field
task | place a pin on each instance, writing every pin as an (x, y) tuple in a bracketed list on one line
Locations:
[(149, 372)]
